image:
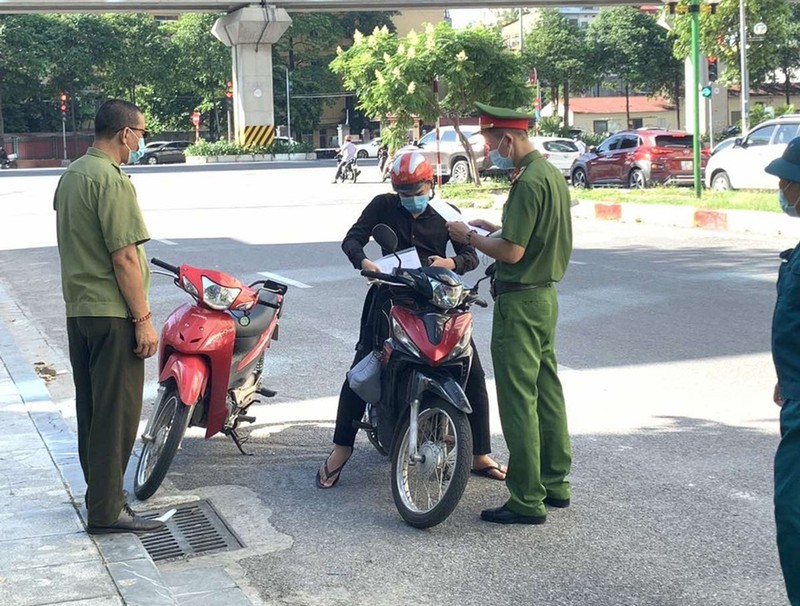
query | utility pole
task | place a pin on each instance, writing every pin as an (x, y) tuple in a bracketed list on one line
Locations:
[(288, 108), (745, 92)]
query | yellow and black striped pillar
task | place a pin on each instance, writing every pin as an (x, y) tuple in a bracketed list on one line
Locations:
[(261, 135)]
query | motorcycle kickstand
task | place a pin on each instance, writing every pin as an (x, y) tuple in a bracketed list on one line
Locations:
[(239, 442)]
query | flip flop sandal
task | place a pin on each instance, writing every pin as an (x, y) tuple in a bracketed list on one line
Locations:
[(488, 472), (328, 473)]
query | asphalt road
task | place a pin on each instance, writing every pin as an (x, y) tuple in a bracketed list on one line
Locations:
[(664, 340)]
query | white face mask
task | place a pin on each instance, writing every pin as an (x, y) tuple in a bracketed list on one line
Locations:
[(134, 155), (790, 208)]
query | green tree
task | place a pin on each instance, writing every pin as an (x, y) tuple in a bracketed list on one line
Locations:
[(557, 49), (634, 48), (789, 50), (393, 78), (307, 49), (719, 37), (25, 51)]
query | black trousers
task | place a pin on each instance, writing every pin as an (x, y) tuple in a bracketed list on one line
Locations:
[(374, 330), (109, 379)]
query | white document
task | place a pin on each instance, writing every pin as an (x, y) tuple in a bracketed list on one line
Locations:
[(409, 258), (451, 215)]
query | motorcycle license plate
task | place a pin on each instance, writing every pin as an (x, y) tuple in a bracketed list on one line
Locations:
[(686, 165)]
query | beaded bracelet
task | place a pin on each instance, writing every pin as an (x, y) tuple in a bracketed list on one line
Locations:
[(144, 318)]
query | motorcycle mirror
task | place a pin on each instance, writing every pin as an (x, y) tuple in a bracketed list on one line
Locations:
[(385, 236), (490, 270)]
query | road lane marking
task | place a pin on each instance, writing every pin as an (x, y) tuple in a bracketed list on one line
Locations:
[(284, 280), (578, 263), (167, 242)]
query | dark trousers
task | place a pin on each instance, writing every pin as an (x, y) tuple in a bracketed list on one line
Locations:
[(351, 409), (109, 379), (787, 498)]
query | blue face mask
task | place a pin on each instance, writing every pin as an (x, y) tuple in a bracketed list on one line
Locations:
[(501, 162), (786, 206), (134, 155), (415, 204)]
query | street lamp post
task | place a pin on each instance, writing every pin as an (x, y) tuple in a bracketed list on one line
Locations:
[(744, 94), (288, 109)]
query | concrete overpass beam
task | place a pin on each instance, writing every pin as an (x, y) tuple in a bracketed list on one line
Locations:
[(251, 32)]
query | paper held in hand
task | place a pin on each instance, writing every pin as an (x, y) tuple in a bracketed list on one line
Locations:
[(409, 258), (451, 215)]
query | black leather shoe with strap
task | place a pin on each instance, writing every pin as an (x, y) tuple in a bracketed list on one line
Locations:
[(128, 521)]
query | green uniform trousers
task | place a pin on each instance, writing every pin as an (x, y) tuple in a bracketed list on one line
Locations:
[(109, 379), (530, 398), (787, 498)]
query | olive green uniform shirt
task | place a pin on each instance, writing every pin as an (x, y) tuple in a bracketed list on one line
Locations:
[(537, 217), (96, 214)]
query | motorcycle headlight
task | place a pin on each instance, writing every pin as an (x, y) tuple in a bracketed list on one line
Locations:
[(402, 337), (444, 295), (217, 296)]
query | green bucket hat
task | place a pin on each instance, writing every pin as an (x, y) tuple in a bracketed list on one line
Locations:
[(788, 165)]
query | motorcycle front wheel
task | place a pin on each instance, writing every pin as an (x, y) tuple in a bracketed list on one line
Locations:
[(427, 491), (166, 432)]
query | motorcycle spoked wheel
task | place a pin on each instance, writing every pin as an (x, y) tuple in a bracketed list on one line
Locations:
[(170, 423), (426, 492)]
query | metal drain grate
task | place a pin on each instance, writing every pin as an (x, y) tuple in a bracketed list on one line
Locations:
[(196, 528)]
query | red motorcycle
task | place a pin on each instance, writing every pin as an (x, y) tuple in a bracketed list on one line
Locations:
[(420, 417), (211, 364)]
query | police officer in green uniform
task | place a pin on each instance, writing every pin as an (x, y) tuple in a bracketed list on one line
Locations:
[(532, 253), (105, 278)]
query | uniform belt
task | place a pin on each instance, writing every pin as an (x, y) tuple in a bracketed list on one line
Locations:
[(498, 288)]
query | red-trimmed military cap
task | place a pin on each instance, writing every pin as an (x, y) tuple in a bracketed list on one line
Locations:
[(501, 117)]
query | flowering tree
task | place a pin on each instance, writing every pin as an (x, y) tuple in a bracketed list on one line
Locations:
[(440, 72)]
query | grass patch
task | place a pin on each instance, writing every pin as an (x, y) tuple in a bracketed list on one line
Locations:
[(467, 194), (717, 200)]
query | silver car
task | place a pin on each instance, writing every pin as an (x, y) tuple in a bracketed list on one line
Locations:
[(559, 151), (452, 158)]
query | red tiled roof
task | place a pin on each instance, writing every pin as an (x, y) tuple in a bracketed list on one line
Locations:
[(616, 105)]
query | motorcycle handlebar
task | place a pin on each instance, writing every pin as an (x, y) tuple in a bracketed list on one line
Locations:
[(376, 275), (479, 302), (165, 265)]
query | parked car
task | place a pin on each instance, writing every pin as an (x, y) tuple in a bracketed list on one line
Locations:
[(165, 152), (639, 158), (559, 151), (724, 144), (452, 155), (741, 166), (368, 149)]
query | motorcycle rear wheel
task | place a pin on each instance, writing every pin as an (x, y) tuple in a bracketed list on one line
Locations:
[(426, 492), (170, 423)]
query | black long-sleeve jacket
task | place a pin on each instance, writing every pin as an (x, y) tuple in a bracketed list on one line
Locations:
[(427, 233)]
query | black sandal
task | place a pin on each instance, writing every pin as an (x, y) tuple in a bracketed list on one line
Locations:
[(328, 473)]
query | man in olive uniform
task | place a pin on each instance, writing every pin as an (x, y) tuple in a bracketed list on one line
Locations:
[(105, 278), (532, 253)]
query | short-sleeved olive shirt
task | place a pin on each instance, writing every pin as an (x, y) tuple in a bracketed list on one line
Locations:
[(537, 216), (96, 214)]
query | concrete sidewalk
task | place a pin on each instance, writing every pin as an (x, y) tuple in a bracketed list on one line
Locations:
[(46, 556)]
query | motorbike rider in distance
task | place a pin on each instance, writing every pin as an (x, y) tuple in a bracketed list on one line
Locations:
[(347, 153), (416, 224)]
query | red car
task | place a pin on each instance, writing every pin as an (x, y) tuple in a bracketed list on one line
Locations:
[(638, 159)]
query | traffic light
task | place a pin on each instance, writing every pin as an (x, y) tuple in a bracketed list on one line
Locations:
[(63, 97), (706, 91), (712, 69), (228, 102)]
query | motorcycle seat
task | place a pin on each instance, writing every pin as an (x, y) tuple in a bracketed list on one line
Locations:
[(258, 318)]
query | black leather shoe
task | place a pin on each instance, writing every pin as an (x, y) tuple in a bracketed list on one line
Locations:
[(553, 502), (128, 521), (503, 515)]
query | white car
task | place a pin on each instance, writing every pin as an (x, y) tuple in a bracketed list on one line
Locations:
[(368, 149), (741, 166), (559, 151)]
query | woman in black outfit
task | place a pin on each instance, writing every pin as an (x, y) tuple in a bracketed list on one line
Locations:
[(418, 225)]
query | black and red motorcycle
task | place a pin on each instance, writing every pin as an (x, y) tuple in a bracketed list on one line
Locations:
[(211, 364), (420, 418)]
